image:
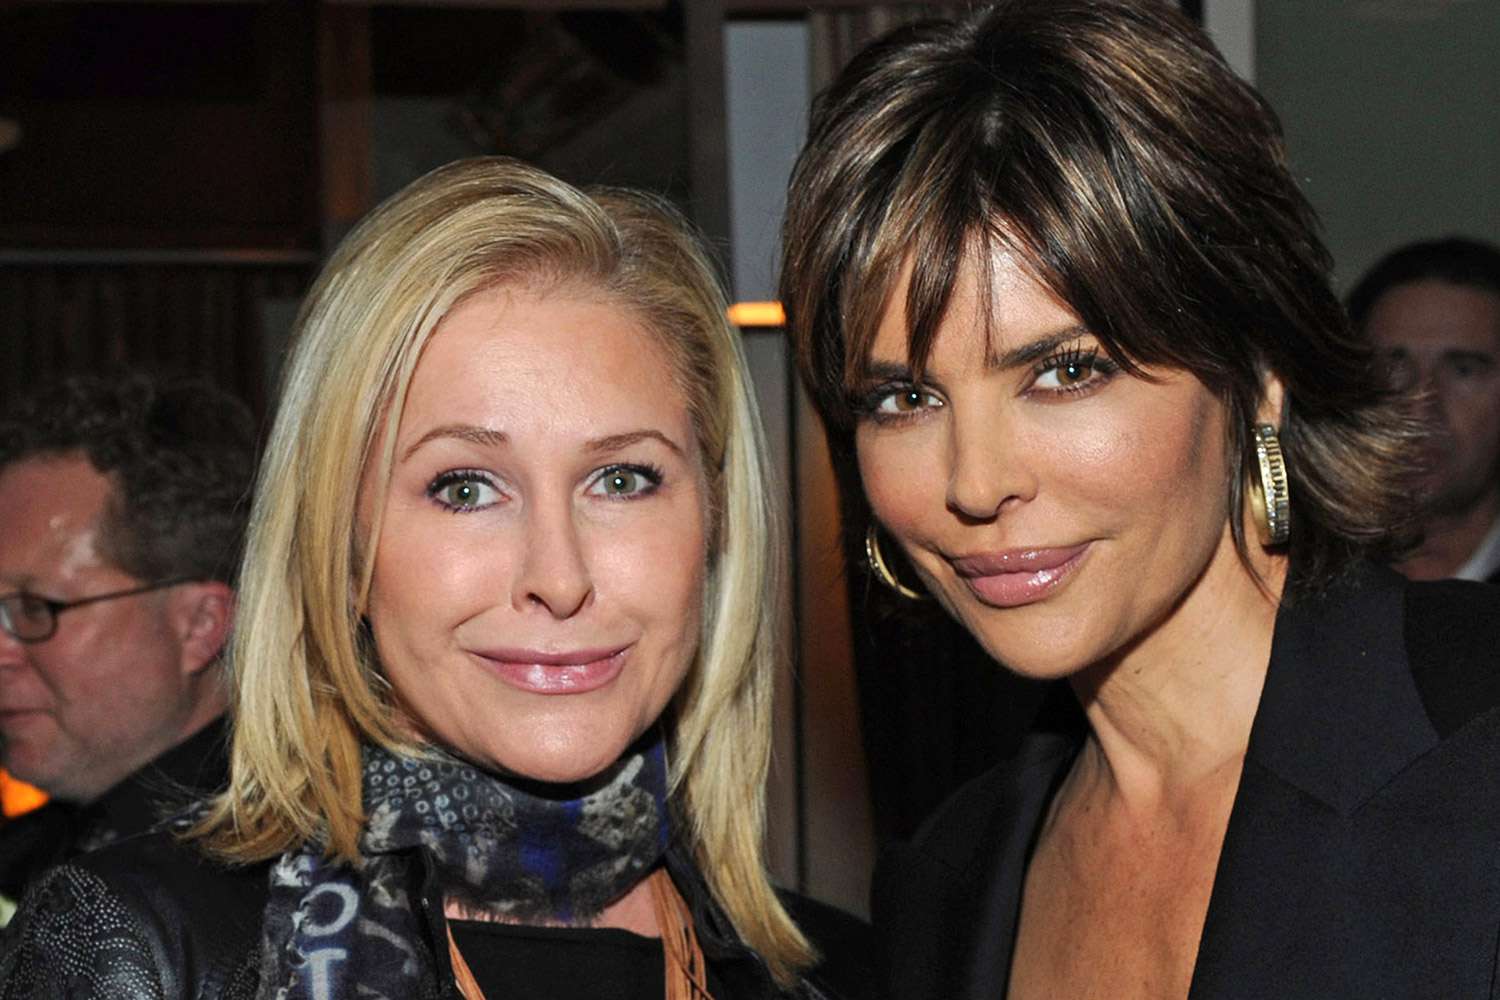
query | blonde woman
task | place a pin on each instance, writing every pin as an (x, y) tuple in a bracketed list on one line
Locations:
[(505, 649)]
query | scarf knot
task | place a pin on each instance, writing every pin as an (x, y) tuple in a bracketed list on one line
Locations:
[(531, 852)]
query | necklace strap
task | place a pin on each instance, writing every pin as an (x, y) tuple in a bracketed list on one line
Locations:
[(686, 971), (468, 986)]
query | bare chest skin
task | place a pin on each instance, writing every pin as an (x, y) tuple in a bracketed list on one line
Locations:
[(1114, 900)]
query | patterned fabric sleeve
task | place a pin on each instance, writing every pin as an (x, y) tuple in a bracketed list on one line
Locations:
[(73, 938)]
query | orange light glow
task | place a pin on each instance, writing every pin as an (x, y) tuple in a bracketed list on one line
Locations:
[(757, 314), (17, 797)]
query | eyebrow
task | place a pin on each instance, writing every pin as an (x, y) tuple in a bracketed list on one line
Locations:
[(615, 442), (1016, 357), (488, 437), (484, 436)]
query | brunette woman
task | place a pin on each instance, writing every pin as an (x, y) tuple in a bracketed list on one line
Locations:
[(1052, 284)]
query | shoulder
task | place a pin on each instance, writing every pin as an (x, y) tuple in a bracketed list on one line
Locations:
[(73, 937), (147, 917), (1452, 639)]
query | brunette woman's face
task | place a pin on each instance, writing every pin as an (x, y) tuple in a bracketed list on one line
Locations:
[(1059, 508), (539, 574)]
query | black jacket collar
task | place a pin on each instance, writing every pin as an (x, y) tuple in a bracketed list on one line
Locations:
[(60, 830), (1339, 717)]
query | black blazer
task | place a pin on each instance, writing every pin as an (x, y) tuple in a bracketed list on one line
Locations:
[(1362, 856)]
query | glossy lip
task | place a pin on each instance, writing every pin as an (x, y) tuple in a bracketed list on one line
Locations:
[(569, 672), (1016, 577)]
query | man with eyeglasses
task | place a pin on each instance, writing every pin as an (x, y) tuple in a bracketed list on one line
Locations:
[(122, 514)]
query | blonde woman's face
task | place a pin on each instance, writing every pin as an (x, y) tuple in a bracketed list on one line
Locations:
[(539, 572)]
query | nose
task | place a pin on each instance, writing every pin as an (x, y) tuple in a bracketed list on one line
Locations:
[(987, 466), (12, 650), (554, 572), (1431, 385)]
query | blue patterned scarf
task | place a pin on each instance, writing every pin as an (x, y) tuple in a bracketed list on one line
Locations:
[(335, 931)]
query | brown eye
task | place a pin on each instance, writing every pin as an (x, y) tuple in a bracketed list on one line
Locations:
[(905, 401), (1074, 372)]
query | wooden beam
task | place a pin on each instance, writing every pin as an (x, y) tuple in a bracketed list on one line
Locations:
[(533, 5), (345, 113), (708, 134), (784, 7)]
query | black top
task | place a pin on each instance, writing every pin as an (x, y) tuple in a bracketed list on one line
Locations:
[(153, 919), (1360, 856), (561, 963), (57, 831)]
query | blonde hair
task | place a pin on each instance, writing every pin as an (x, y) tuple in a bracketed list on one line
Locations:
[(308, 689)]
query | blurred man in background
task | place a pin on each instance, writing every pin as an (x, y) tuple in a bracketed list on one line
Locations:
[(1433, 309), (122, 515)]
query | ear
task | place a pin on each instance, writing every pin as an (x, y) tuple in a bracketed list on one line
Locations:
[(202, 613), (1272, 400)]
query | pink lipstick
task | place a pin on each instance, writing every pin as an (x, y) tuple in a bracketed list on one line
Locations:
[(1015, 577), (568, 672)]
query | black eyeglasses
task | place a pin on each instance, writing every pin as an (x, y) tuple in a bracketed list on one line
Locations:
[(32, 618)]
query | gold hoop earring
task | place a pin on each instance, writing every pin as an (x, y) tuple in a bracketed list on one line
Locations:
[(1269, 499), (881, 570)]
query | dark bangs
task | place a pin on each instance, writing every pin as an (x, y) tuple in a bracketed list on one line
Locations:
[(1109, 147)]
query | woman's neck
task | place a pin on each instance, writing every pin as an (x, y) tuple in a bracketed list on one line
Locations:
[(1174, 710)]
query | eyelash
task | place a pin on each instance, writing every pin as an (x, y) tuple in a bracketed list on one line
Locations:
[(442, 482), (1074, 357), (868, 406), (650, 473)]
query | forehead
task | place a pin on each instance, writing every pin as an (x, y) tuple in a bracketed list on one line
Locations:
[(558, 360), (50, 513), (1437, 314), (997, 305)]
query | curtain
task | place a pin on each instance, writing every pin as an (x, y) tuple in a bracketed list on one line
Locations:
[(58, 318)]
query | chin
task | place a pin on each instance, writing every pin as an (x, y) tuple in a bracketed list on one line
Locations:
[(556, 759), (1027, 649)]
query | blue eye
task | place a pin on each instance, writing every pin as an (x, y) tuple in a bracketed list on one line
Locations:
[(626, 482), (461, 491)]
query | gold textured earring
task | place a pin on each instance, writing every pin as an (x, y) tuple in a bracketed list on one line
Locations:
[(881, 570), (1269, 500)]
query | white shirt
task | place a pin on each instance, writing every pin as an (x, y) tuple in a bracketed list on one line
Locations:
[(1485, 559)]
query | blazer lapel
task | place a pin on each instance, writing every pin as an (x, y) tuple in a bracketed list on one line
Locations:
[(998, 879), (946, 908), (1338, 719)]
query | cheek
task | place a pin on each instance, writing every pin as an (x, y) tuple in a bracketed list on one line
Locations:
[(901, 478), (655, 568), (425, 571), (1177, 465)]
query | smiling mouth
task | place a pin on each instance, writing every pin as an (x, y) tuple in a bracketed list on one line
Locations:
[(569, 672), (1016, 577)]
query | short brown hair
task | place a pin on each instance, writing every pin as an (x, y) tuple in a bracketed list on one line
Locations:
[(1108, 145), (180, 455)]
